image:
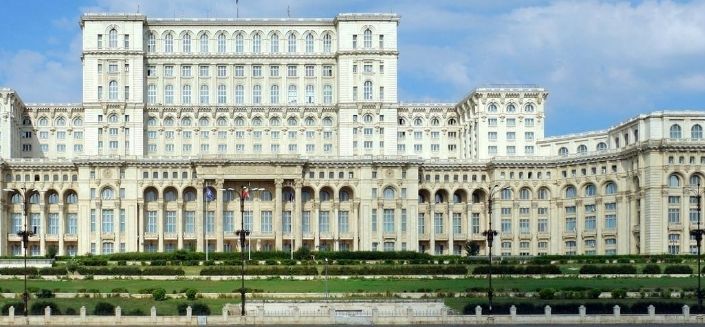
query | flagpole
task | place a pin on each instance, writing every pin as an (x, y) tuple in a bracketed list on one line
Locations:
[(291, 226)]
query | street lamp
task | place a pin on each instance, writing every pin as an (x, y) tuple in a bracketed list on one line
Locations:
[(243, 233), (326, 270), (25, 234), (489, 235), (698, 234)]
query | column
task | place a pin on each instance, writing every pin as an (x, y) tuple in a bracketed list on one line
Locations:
[(179, 224), (44, 215), (315, 223), (200, 218), (277, 215), (220, 207), (4, 224), (296, 228), (451, 228), (62, 222), (334, 228), (432, 227), (139, 226), (160, 224), (98, 229), (355, 222)]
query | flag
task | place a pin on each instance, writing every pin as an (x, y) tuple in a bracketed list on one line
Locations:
[(210, 195), (245, 193)]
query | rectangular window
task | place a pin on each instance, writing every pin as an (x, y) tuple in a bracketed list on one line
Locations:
[(266, 222), (170, 222), (475, 223), (53, 224), (323, 222), (247, 218), (107, 221), (343, 222), (421, 224), (373, 219), (403, 220), (122, 220), (286, 222), (93, 221), (306, 222), (151, 224), (388, 221), (189, 222), (438, 227), (210, 222), (457, 223)]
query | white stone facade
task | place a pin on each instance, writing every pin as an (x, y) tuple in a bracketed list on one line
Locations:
[(307, 110)]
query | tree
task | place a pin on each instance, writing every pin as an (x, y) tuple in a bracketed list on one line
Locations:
[(472, 248)]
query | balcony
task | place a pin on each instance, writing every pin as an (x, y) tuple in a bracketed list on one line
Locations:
[(52, 237), (543, 236), (389, 236), (460, 236), (107, 236), (525, 236), (675, 227), (171, 236), (308, 236), (189, 236), (424, 237), (570, 234), (441, 236), (151, 236), (230, 236), (70, 238), (609, 232), (589, 233), (506, 236)]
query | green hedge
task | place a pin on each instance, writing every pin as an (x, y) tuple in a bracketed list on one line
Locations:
[(651, 269), (131, 271), (591, 307), (260, 270), (678, 269), (607, 269), (397, 270), (269, 255), (31, 271), (519, 270)]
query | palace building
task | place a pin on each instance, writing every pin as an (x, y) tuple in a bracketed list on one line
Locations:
[(304, 112)]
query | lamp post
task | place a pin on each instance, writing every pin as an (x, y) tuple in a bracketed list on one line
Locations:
[(326, 270), (489, 235), (243, 233), (698, 234), (25, 234)]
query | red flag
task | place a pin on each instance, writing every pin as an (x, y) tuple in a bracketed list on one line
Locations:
[(245, 193)]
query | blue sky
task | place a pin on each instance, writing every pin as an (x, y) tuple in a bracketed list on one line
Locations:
[(602, 61)]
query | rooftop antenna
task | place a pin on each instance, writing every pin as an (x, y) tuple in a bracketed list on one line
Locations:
[(288, 11), (237, 9), (138, 8)]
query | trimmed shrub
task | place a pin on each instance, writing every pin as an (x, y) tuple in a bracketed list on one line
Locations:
[(19, 308), (652, 269), (31, 271), (260, 270), (678, 269), (607, 269), (37, 308), (119, 290), (518, 270), (104, 309), (44, 294), (52, 271), (191, 294), (70, 311), (159, 294), (619, 293), (547, 293), (163, 271), (92, 261)]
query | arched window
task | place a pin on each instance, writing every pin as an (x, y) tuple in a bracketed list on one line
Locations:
[(544, 193), (204, 94), (696, 132), (343, 196), (457, 198), (389, 193), (439, 197), (511, 108), (274, 43), (186, 121), (265, 196), (694, 180), (452, 122), (418, 122), (151, 42), (222, 121), (309, 43), (77, 121), (570, 192), (113, 118), (168, 121), (529, 107), (151, 121), (309, 121), (292, 94), (186, 43), (60, 122), (170, 195), (222, 94), (222, 43), (582, 149), (492, 107), (324, 195), (203, 121), (274, 121), (113, 90), (327, 121), (150, 196), (291, 121), (239, 43), (506, 194), (590, 190), (257, 43), (256, 94), (53, 198), (610, 188), (204, 43), (327, 94), (367, 119), (674, 181), (72, 198), (107, 193), (239, 121), (239, 94), (525, 194), (292, 43), (169, 43), (34, 198), (675, 131), (327, 43), (189, 196), (563, 151), (112, 38), (367, 90), (602, 146), (186, 94), (435, 122), (367, 36), (274, 94), (43, 121), (256, 121), (16, 198)]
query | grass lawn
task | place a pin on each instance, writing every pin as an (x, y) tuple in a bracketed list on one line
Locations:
[(356, 285)]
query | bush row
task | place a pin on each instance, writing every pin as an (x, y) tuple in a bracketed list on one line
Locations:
[(260, 270), (597, 307), (397, 270), (607, 269), (519, 270), (131, 271)]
